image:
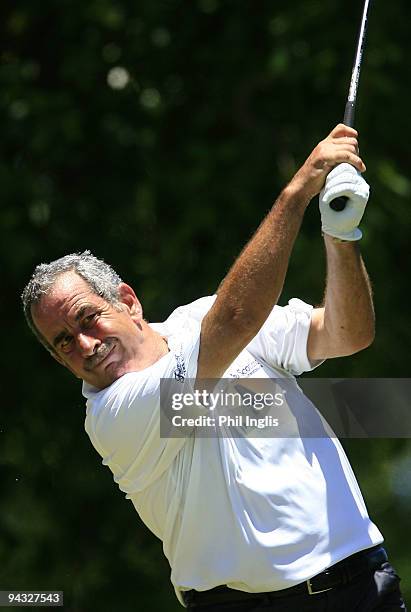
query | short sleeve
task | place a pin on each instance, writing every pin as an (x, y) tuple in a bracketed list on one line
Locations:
[(282, 340)]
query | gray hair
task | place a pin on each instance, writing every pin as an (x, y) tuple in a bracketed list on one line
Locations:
[(101, 277)]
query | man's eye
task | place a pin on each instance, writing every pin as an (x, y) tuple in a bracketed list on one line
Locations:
[(89, 318), (65, 343)]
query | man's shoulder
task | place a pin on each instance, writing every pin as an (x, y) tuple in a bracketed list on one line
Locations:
[(124, 390), (183, 326), (193, 310)]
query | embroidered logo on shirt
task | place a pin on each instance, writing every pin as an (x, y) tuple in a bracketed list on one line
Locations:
[(248, 370), (180, 369)]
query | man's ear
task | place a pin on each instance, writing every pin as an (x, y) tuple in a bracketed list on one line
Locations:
[(130, 300)]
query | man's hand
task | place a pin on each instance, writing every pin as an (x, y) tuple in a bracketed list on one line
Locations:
[(344, 180), (340, 146)]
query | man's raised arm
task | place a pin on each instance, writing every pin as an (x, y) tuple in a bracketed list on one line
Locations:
[(254, 283)]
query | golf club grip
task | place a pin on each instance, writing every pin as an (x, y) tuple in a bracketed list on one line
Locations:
[(340, 203), (349, 113)]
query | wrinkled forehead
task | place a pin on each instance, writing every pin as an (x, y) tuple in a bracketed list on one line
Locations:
[(67, 293)]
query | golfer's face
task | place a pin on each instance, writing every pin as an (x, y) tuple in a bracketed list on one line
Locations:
[(93, 339)]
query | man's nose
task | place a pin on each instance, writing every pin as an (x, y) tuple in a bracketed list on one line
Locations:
[(87, 344)]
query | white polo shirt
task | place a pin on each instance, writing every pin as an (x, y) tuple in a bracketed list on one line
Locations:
[(256, 514)]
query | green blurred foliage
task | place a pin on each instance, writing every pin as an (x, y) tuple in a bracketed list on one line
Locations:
[(157, 134)]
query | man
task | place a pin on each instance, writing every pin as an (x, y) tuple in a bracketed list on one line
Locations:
[(246, 524)]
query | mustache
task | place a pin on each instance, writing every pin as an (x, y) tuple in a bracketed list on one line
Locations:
[(101, 353)]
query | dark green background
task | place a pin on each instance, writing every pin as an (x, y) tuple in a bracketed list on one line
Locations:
[(166, 179)]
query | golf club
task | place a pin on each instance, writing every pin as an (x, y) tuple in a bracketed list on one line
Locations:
[(339, 204)]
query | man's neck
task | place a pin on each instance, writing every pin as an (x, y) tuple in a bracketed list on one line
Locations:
[(155, 347)]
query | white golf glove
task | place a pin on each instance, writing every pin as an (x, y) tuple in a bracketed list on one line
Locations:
[(344, 180)]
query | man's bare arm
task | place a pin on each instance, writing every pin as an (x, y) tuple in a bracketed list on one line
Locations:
[(254, 283), (345, 324)]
